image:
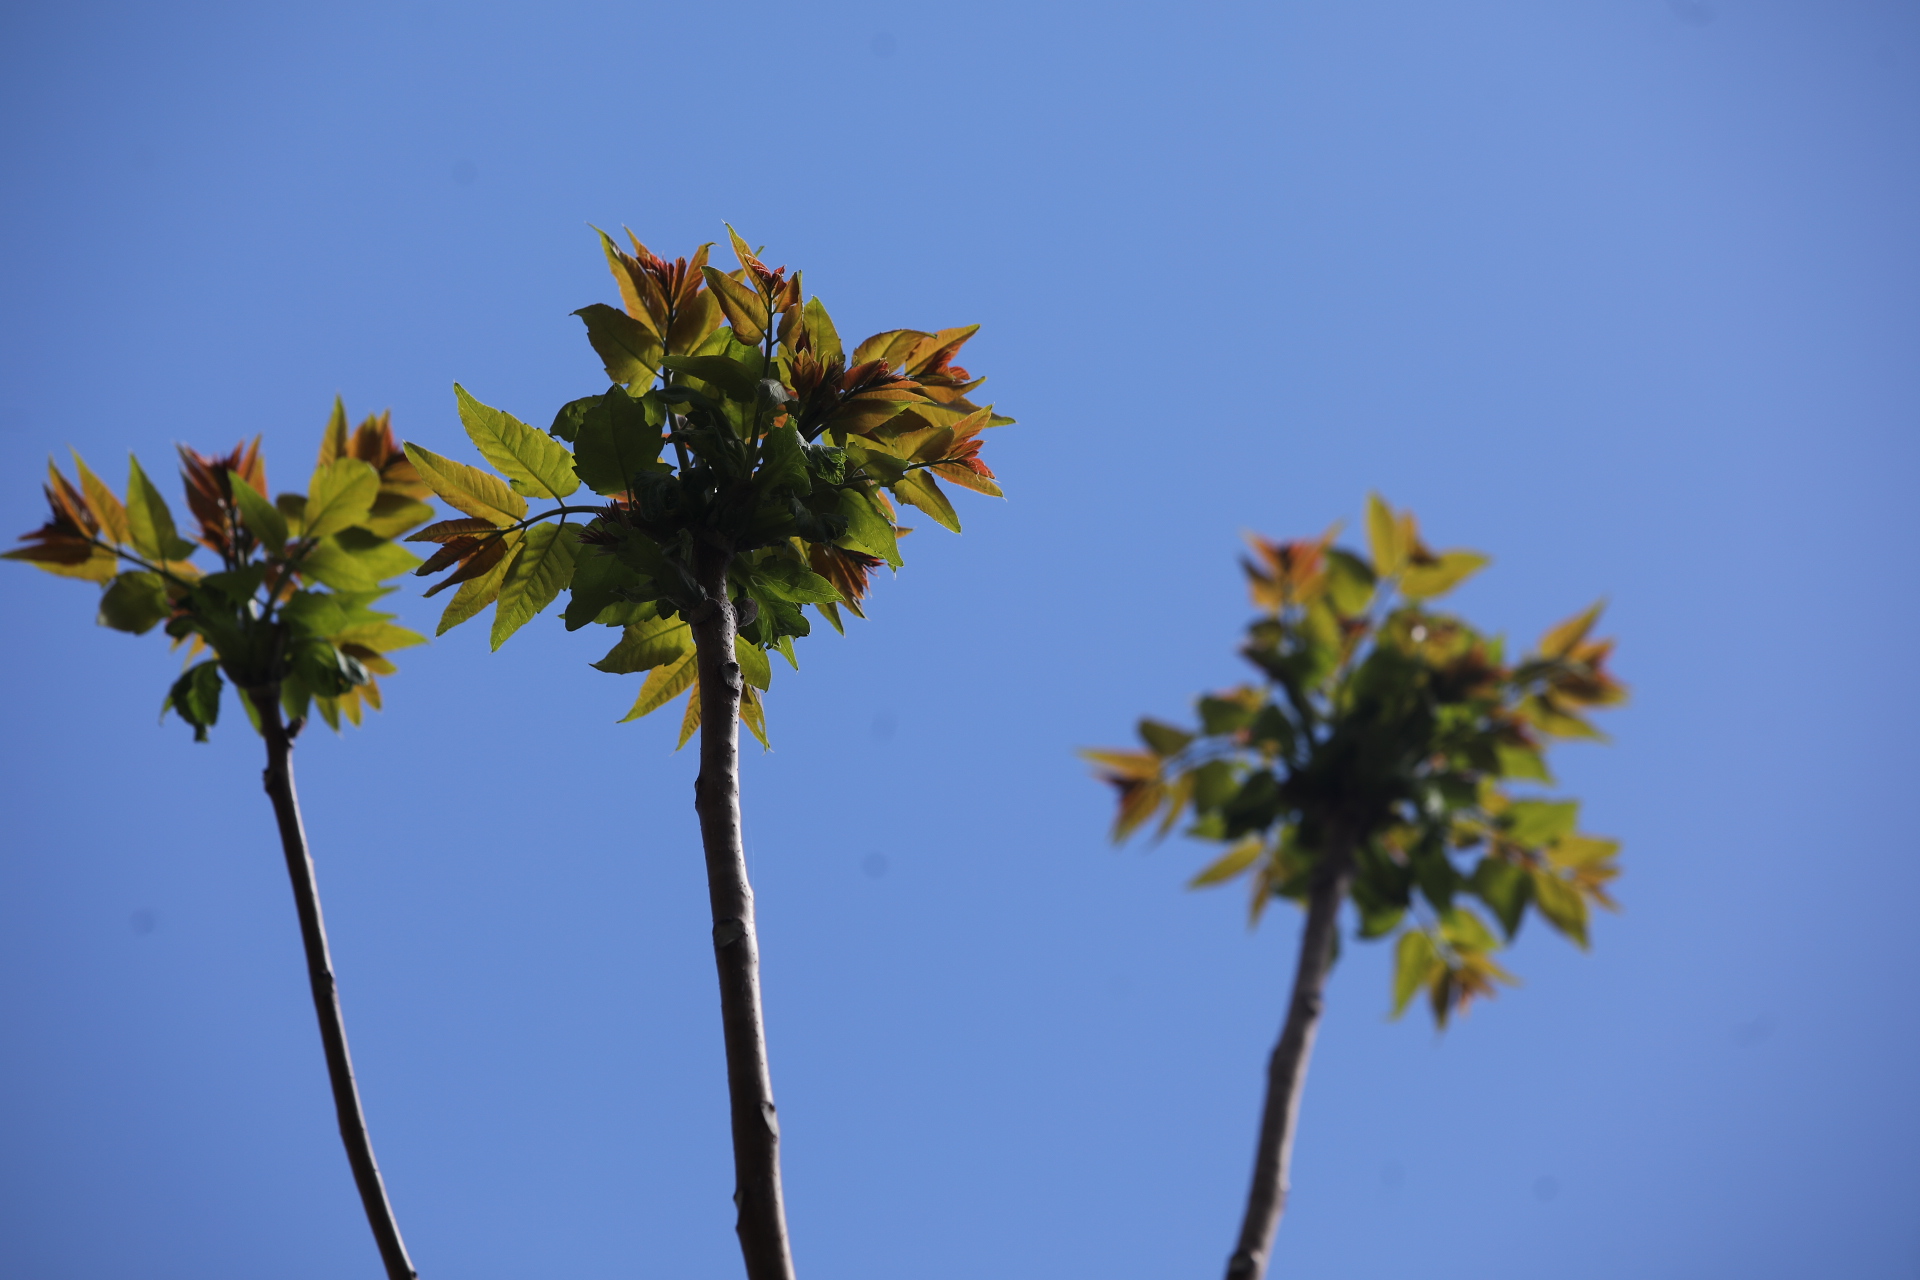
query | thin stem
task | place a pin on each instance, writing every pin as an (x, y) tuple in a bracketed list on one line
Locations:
[(1287, 1068), (762, 1220), (326, 996)]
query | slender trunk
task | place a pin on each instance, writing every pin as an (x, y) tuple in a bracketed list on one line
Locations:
[(762, 1216), (1287, 1068), (326, 998)]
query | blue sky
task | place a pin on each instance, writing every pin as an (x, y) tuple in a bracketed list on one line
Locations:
[(1623, 293)]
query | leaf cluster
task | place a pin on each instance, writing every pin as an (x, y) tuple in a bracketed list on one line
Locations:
[(736, 424), (1391, 733), (285, 607)]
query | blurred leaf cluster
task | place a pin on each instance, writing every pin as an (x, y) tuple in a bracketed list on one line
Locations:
[(1385, 726)]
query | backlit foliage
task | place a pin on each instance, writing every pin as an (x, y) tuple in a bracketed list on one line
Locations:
[(735, 420), (286, 599), (1405, 729)]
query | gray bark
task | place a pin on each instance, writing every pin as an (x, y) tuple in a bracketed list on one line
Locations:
[(1287, 1068), (326, 997), (762, 1219)]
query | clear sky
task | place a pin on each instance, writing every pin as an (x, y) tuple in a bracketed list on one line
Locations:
[(1622, 292)]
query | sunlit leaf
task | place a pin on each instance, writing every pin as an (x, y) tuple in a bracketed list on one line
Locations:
[(339, 496), (542, 567), (466, 488), (534, 463)]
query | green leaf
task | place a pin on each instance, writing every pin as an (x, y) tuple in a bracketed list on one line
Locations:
[(785, 580), (1234, 862), (616, 443), (1377, 920), (1213, 785), (754, 668), (826, 338), (1505, 888), (261, 517), (600, 582), (1522, 762), (395, 513), (466, 488), (566, 423), (662, 685), (542, 567), (1426, 581), (1465, 931), (921, 490), (1225, 715), (1350, 583), (149, 522), (868, 528), (1384, 537), (1533, 823), (533, 463), (340, 496), (1416, 963), (783, 463), (629, 352), (195, 698), (657, 642), (1164, 739), (724, 374), (381, 637), (356, 560), (314, 614), (1560, 903), (135, 602)]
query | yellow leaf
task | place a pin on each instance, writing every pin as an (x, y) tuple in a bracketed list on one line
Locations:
[(1416, 963), (753, 714), (1229, 865), (1560, 641), (691, 720), (1142, 765), (662, 685), (1383, 537), (466, 488), (919, 489), (1425, 581), (333, 439)]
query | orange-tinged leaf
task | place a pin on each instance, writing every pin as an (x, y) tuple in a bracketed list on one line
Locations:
[(106, 507), (448, 530), (476, 593), (634, 282)]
